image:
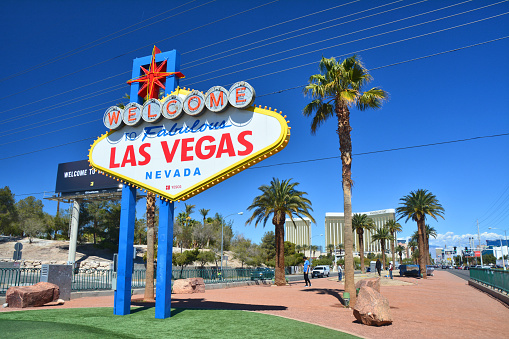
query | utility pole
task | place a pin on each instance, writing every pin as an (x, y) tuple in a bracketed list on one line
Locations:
[(479, 237)]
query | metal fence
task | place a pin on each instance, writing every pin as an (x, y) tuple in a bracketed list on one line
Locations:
[(495, 278), (89, 280)]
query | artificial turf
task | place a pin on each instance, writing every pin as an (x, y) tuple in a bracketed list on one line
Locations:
[(183, 323)]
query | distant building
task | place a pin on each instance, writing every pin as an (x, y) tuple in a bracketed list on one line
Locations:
[(298, 233), (334, 229)]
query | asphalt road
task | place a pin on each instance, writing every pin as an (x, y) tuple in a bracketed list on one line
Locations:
[(463, 274)]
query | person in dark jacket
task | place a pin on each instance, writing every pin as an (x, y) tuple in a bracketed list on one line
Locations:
[(378, 267)]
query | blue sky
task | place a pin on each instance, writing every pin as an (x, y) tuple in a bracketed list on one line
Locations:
[(276, 46)]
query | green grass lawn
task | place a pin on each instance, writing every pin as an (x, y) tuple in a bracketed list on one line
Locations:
[(81, 323)]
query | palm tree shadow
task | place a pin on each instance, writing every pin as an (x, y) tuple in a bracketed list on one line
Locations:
[(328, 291), (202, 303)]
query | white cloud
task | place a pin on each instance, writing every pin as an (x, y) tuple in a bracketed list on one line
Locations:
[(450, 239)]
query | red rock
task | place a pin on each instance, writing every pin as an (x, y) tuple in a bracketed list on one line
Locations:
[(372, 308), (189, 285), (371, 282), (32, 296)]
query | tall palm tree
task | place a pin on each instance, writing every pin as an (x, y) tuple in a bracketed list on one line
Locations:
[(361, 222), (335, 90), (149, 273), (279, 199), (393, 228), (416, 206), (399, 250), (383, 235)]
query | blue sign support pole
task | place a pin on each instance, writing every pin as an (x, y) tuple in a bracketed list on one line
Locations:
[(164, 258), (122, 303)]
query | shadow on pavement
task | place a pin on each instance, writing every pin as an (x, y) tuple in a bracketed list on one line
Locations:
[(332, 292), (204, 304)]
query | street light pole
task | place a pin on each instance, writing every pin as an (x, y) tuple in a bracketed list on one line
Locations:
[(222, 237)]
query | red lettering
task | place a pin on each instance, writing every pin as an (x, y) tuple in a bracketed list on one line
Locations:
[(144, 154), (197, 105), (242, 140), (131, 114), (209, 148), (150, 115), (112, 158), (113, 116), (186, 148), (168, 107), (239, 97), (167, 154), (214, 102), (129, 156), (225, 146)]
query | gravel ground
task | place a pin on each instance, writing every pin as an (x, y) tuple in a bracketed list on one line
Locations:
[(443, 306)]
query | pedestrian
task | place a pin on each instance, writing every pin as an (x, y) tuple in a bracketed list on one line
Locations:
[(378, 267), (306, 271), (391, 267), (340, 273)]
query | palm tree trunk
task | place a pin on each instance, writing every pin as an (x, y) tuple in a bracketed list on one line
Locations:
[(361, 251), (422, 256), (382, 244), (426, 243), (279, 278), (149, 273), (345, 147)]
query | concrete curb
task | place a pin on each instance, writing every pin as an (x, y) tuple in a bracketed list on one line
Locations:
[(500, 296)]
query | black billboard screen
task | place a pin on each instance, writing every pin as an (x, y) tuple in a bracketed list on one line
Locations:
[(78, 176)]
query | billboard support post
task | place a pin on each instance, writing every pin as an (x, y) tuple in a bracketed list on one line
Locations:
[(73, 239), (122, 303), (164, 258)]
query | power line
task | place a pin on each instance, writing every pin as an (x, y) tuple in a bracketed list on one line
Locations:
[(401, 62), (137, 49), (386, 150), (82, 47), (362, 50)]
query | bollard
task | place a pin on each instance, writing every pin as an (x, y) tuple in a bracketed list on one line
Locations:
[(346, 298)]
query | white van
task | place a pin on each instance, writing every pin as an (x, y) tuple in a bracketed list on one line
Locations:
[(320, 271)]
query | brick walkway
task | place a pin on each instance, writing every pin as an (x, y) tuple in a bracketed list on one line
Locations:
[(443, 306)]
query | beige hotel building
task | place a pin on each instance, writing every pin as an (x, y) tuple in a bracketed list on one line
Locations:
[(334, 228)]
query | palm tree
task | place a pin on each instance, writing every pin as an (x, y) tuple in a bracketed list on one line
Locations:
[(330, 248), (340, 247), (313, 248), (335, 90), (361, 222), (298, 248), (279, 199), (383, 235), (305, 248), (393, 227), (430, 231), (416, 206), (412, 244), (399, 250), (149, 274), (204, 213)]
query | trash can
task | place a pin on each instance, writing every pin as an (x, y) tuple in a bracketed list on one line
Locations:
[(346, 298)]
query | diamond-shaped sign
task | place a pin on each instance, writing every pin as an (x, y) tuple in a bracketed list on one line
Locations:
[(178, 158)]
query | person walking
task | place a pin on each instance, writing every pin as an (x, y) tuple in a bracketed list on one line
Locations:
[(340, 273), (378, 267), (306, 271), (391, 267)]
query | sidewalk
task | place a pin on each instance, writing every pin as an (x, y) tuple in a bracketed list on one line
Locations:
[(443, 306)]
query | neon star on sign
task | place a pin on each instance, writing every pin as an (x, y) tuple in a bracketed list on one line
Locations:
[(191, 141)]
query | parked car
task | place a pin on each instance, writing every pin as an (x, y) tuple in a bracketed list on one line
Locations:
[(320, 271), (262, 273)]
